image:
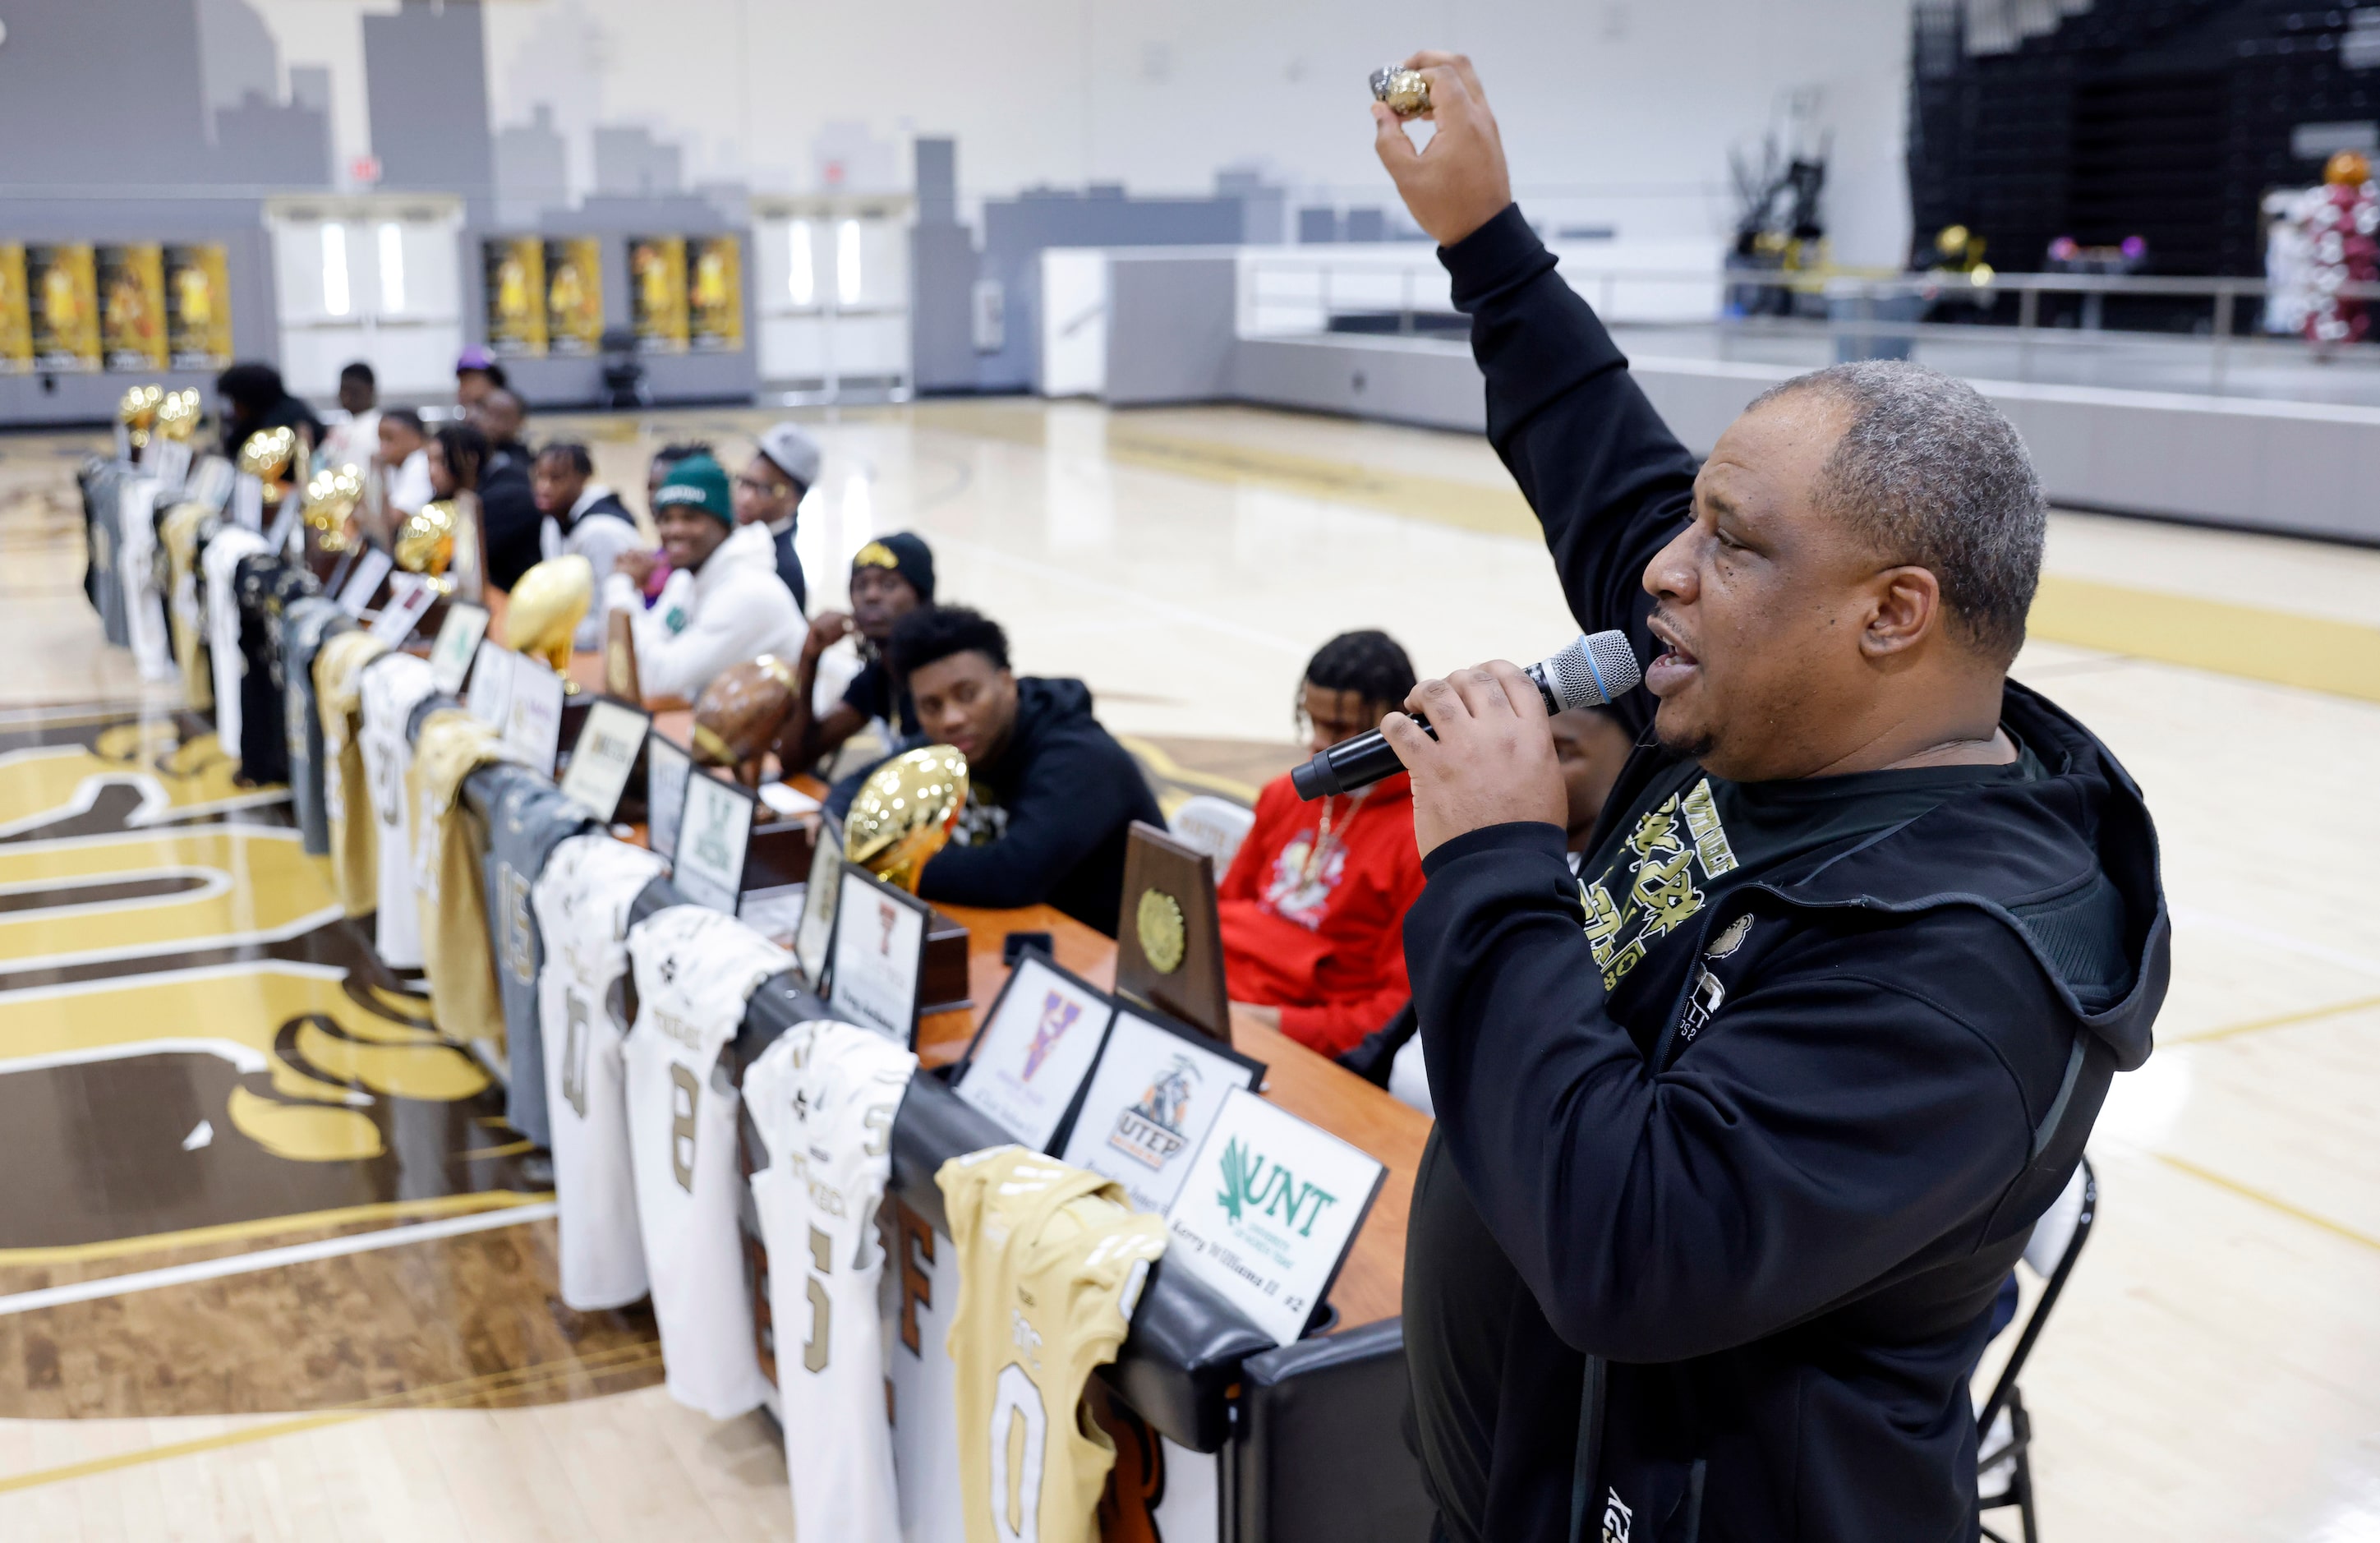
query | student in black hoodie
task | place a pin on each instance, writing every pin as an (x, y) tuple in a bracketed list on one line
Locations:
[(507, 497), (1742, 1128), (1049, 792)]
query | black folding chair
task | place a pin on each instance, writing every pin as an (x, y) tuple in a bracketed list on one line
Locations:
[(2003, 1460)]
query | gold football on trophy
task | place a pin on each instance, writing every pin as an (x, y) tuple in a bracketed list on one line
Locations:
[(425, 543), (904, 812), (738, 714), (138, 411), (1405, 91), (178, 414), (267, 453), (331, 497), (542, 619)]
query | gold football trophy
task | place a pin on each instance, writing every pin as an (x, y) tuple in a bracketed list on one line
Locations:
[(137, 412), (331, 498), (267, 455), (543, 617), (738, 714), (1405, 91), (425, 543), (905, 813), (178, 414)]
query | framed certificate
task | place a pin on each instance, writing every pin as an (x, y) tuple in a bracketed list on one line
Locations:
[(363, 578), (879, 955), (409, 595), (459, 640), (1158, 1087), (603, 757), (533, 712), (667, 767), (814, 936), (1267, 1211), (1030, 1060), (712, 836)]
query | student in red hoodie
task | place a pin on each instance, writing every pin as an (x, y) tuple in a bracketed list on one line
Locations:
[(1314, 907)]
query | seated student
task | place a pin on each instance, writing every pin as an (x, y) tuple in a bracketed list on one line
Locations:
[(506, 499), (1590, 746), (1312, 909), (769, 490), (656, 473), (588, 519), (723, 604), (403, 462), (1049, 792), (889, 579)]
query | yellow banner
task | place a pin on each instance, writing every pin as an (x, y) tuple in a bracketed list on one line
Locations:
[(63, 287), (717, 299), (132, 299), (16, 315), (657, 293), (198, 307), (574, 294), (515, 275)]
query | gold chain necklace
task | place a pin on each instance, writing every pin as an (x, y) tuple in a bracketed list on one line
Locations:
[(1320, 851)]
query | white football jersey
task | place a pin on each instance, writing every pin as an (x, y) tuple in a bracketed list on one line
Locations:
[(696, 969), (392, 688), (823, 1098), (582, 898)]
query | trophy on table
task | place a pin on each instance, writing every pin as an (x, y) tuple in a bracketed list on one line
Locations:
[(905, 813), (542, 619), (425, 544), (331, 495), (737, 717), (178, 414), (137, 412)]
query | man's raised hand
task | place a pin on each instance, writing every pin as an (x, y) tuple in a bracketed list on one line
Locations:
[(1459, 182), (1493, 760)]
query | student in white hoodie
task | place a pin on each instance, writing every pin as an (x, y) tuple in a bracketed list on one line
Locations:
[(722, 604)]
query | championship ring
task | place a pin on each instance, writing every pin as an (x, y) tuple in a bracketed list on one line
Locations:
[(1404, 89), (1158, 917)]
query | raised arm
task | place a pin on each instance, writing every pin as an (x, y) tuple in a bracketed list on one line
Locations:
[(1610, 483)]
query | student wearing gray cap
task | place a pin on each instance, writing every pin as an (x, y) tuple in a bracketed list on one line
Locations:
[(769, 490)]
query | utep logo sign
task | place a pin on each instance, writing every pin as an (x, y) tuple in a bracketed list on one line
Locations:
[(1149, 1132), (1253, 1183), (1057, 1015)]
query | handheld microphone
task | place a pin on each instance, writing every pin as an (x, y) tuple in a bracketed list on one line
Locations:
[(1589, 673)]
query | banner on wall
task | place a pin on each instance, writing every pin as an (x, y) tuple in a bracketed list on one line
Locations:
[(132, 306), (515, 288), (198, 307), (62, 286), (716, 301), (574, 294), (16, 315), (657, 293)]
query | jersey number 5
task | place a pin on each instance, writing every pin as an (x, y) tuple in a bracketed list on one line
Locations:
[(815, 1350)]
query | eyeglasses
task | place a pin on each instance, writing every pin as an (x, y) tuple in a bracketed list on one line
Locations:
[(764, 490)]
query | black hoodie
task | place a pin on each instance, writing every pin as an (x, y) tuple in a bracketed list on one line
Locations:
[(1048, 816), (1740, 1224)]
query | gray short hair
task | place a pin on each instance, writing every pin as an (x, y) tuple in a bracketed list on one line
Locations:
[(1935, 476)]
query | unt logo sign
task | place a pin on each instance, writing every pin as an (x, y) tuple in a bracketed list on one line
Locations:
[(1253, 1183)]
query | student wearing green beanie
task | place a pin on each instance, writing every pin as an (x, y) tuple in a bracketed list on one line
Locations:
[(723, 602)]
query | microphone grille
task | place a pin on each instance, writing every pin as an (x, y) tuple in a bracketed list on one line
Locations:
[(1593, 670)]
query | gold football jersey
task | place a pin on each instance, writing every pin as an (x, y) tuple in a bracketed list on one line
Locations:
[(1051, 1266), (347, 795), (449, 846)]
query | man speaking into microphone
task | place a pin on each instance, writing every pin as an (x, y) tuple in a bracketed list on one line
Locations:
[(1741, 1130)]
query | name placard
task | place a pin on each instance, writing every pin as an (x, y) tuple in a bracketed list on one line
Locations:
[(213, 486), (1035, 1050), (1158, 1087), (533, 717), (409, 595), (712, 836), (363, 580), (667, 767), (603, 757), (458, 639), (1267, 1211), (489, 699), (814, 936), (879, 955)]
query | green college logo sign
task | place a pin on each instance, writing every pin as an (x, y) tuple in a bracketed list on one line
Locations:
[(1253, 1183)]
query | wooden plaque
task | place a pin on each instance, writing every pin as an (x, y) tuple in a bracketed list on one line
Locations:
[(620, 657), (1169, 939)]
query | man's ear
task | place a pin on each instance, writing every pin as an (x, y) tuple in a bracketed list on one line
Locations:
[(1906, 607)]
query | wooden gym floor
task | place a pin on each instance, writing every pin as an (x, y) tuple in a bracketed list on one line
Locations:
[(272, 1266)]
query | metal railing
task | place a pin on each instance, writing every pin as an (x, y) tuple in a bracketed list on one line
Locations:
[(2067, 328)]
